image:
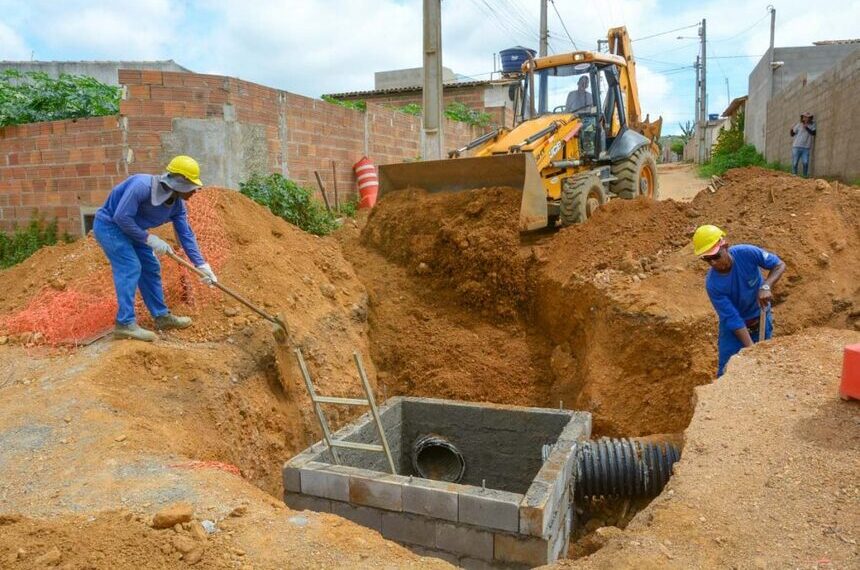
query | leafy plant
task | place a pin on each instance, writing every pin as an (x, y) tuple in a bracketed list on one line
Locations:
[(461, 112), (33, 97), (289, 201), (411, 109), (730, 140), (24, 242), (687, 131), (349, 208), (677, 147), (746, 155), (356, 105)]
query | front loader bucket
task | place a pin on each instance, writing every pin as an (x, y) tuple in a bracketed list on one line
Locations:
[(458, 174)]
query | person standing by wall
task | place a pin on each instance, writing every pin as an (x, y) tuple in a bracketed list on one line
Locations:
[(803, 135)]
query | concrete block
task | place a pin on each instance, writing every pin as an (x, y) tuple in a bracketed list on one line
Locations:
[(533, 518), (299, 502), (520, 550), (476, 564), (432, 499), (490, 509), (365, 516), (323, 483), (292, 479), (381, 492), (435, 553), (411, 529), (464, 541)]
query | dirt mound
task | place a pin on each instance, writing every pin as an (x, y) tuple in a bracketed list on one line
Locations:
[(768, 478), (623, 234), (813, 225), (467, 242)]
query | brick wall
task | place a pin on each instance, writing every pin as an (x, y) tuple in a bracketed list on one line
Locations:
[(54, 167), (233, 128), (830, 97)]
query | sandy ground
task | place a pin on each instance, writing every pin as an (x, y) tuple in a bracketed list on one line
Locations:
[(679, 181), (608, 316), (768, 478)]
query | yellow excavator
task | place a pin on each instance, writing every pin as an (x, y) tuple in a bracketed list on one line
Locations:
[(578, 140)]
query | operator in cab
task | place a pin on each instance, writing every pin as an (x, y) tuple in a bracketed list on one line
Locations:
[(579, 99), (738, 292)]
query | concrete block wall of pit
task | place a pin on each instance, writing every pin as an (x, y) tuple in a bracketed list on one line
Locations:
[(521, 519)]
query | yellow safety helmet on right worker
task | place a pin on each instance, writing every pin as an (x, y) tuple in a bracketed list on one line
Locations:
[(187, 167), (706, 238)]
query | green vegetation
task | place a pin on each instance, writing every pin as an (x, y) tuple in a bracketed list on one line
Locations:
[(729, 151), (24, 242), (33, 97), (677, 147), (411, 109), (349, 208), (356, 105), (289, 201), (747, 155), (460, 112)]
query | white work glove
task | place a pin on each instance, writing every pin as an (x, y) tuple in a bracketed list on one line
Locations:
[(209, 277), (158, 245)]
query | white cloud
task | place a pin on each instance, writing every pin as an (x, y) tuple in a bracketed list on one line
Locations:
[(318, 46), (12, 45)]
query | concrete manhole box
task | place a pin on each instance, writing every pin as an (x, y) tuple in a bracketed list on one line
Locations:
[(512, 507)]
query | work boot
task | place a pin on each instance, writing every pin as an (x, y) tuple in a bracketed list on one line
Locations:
[(134, 331), (171, 321)]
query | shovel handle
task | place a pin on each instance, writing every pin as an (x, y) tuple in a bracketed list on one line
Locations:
[(227, 290), (762, 323)]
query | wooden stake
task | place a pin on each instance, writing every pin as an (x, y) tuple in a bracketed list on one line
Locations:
[(334, 178), (322, 190)]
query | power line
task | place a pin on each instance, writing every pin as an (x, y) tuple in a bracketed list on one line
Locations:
[(742, 32), (560, 19), (664, 33)]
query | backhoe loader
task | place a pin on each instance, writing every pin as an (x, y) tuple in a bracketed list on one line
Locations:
[(577, 141)]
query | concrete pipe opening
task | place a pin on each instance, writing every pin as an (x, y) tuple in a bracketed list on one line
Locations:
[(434, 457)]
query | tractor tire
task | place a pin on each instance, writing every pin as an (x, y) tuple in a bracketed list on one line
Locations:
[(636, 176), (580, 197)]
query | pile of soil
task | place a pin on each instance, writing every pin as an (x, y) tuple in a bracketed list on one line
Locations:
[(768, 478), (466, 242), (125, 424)]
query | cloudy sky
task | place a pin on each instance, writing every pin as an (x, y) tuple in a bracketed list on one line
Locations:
[(315, 46)]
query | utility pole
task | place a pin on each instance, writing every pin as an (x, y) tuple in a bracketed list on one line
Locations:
[(698, 117), (703, 95), (728, 96), (544, 33), (772, 28), (431, 142), (542, 52)]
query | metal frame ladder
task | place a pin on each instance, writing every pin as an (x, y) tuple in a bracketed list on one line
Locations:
[(335, 444)]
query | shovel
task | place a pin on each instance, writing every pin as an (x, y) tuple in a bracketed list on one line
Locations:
[(280, 331), (762, 322)]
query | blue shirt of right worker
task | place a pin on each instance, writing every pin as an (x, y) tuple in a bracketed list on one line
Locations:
[(734, 295)]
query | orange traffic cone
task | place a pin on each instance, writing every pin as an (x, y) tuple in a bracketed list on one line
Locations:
[(850, 386)]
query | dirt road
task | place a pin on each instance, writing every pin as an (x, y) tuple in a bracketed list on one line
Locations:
[(679, 181)]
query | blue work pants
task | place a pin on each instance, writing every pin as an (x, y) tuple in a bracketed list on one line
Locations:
[(801, 155), (729, 345), (134, 266)]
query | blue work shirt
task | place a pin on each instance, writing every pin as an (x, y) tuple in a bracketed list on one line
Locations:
[(734, 295), (130, 207)]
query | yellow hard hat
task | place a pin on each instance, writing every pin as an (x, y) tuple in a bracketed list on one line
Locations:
[(707, 238), (187, 167)]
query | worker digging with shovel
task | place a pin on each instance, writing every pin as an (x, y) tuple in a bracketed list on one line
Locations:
[(141, 202), (739, 294)]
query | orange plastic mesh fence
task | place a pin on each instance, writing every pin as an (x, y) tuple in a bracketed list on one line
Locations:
[(86, 307)]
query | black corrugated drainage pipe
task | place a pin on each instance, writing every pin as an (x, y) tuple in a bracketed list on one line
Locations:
[(611, 467)]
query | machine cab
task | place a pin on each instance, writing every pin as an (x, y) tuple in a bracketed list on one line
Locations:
[(587, 90)]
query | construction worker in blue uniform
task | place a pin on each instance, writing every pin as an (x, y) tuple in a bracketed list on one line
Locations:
[(737, 289), (141, 202)]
